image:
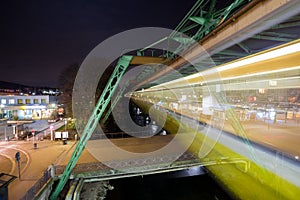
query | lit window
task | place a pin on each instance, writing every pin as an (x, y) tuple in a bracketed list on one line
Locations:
[(35, 101), (20, 101), (261, 91), (28, 101), (3, 101), (11, 101), (43, 101)]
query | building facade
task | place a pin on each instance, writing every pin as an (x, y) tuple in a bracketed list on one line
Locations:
[(26, 106)]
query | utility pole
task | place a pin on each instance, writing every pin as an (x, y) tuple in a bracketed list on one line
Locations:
[(51, 132), (5, 136)]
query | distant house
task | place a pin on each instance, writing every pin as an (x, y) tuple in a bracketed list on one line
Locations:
[(25, 102), (26, 106)]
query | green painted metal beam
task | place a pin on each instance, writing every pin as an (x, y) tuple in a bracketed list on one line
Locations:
[(229, 9), (198, 20), (114, 103), (212, 7), (103, 101), (283, 35), (153, 44), (232, 53), (213, 18), (278, 39), (183, 40), (188, 28), (203, 17), (286, 25), (244, 47), (187, 16)]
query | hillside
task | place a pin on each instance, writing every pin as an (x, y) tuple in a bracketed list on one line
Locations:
[(14, 86)]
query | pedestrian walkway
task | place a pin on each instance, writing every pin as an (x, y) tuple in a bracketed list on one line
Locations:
[(34, 161)]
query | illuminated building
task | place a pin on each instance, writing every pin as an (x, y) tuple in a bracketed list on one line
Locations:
[(26, 107)]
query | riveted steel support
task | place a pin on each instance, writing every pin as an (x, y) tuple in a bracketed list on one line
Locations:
[(103, 101)]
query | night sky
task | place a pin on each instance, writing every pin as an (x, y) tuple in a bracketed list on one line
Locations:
[(41, 38)]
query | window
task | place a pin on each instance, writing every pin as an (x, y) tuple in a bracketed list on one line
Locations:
[(20, 101), (3, 101), (43, 101), (35, 101), (11, 101), (28, 101)]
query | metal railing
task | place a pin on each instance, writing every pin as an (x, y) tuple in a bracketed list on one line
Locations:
[(30, 194)]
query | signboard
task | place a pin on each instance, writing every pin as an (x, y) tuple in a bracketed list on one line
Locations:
[(57, 135), (65, 134)]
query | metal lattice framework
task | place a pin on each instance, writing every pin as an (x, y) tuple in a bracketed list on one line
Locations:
[(201, 20), (114, 103), (103, 101)]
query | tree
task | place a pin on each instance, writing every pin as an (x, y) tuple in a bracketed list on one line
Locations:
[(66, 82)]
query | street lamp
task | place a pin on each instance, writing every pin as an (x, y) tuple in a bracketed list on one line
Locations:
[(51, 132), (6, 139), (15, 133), (33, 135), (66, 124)]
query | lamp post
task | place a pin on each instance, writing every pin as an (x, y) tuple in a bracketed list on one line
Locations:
[(5, 136), (33, 136), (66, 124), (51, 132), (14, 130)]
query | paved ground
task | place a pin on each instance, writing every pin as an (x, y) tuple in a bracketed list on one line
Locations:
[(33, 161), (282, 136), (37, 126)]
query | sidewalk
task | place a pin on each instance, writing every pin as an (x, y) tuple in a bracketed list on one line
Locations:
[(34, 161), (32, 168)]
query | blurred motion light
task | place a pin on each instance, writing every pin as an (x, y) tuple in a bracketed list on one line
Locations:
[(262, 57), (284, 50)]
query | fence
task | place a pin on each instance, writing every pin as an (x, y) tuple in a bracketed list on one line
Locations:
[(37, 186)]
